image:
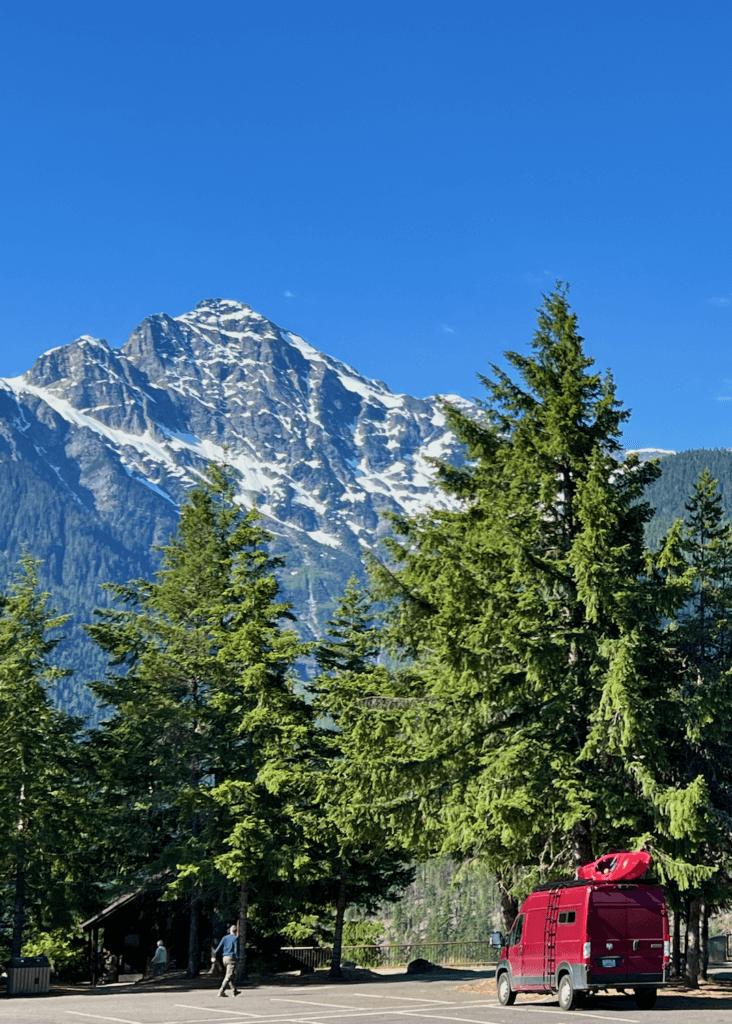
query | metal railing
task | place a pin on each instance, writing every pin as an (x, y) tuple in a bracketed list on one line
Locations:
[(446, 954)]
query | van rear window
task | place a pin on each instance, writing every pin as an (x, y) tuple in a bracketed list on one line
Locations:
[(567, 917)]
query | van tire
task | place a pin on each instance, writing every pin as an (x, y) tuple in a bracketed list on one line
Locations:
[(506, 996), (566, 993), (645, 998)]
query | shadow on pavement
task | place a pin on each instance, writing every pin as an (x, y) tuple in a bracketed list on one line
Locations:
[(351, 976)]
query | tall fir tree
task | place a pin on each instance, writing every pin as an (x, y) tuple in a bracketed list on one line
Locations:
[(200, 673), (697, 556), (366, 862), (44, 833), (544, 690)]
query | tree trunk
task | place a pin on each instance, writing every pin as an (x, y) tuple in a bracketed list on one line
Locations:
[(704, 941), (193, 957), (677, 944), (692, 948), (335, 963), (241, 967), (218, 930), (582, 843), (509, 907), (19, 910)]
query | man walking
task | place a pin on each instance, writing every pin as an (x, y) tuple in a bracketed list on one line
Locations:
[(229, 948)]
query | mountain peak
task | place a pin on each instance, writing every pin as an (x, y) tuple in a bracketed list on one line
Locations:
[(220, 307)]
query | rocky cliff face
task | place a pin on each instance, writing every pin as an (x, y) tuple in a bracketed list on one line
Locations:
[(114, 438)]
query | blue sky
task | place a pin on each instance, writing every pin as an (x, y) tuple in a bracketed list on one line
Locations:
[(397, 182)]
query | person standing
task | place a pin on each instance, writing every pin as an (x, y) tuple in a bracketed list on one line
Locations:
[(229, 948), (160, 959)]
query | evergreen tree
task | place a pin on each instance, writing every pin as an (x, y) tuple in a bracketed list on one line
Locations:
[(703, 625), (43, 833), (697, 556), (544, 691), (199, 683), (366, 863), (263, 761)]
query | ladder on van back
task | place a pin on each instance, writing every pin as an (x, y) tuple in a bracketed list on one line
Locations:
[(550, 937)]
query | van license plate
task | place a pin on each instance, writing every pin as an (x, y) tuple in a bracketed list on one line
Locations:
[(608, 963)]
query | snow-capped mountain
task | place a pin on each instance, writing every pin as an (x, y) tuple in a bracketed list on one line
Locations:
[(646, 454), (119, 435)]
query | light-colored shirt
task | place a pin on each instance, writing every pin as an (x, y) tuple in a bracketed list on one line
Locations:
[(160, 955), (229, 945)]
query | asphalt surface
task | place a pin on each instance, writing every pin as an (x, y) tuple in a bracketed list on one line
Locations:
[(361, 999)]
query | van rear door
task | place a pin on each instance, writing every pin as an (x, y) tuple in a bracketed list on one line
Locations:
[(627, 928), (647, 930), (607, 927)]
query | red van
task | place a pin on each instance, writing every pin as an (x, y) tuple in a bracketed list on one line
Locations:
[(578, 937)]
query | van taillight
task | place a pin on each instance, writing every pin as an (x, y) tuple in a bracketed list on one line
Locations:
[(666, 951), (586, 950)]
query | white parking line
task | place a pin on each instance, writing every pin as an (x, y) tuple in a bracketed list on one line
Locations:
[(578, 1013), (99, 1016), (311, 1002), (215, 1009), (410, 999), (203, 1020), (436, 1016)]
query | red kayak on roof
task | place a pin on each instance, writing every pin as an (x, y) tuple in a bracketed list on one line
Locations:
[(616, 867)]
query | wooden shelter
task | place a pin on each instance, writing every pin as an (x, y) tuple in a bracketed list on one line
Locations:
[(125, 933)]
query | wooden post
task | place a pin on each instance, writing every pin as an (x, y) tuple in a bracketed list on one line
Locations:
[(94, 941), (704, 941)]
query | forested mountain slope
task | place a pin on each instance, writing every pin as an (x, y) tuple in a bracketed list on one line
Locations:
[(679, 473)]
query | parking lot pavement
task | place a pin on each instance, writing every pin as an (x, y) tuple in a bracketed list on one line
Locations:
[(392, 999)]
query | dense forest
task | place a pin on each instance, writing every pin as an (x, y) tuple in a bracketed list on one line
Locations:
[(529, 680), (671, 490)]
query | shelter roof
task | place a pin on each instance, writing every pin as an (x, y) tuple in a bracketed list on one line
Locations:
[(115, 905)]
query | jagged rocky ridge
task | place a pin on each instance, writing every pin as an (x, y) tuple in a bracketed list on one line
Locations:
[(98, 447)]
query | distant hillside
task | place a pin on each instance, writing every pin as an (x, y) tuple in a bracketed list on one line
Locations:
[(679, 474)]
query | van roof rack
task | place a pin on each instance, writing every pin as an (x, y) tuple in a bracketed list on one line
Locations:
[(563, 883), (572, 883)]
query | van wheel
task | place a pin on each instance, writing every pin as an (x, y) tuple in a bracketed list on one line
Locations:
[(645, 998), (505, 996), (566, 993)]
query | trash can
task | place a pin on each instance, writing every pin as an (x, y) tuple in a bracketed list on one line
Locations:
[(717, 946), (29, 976)]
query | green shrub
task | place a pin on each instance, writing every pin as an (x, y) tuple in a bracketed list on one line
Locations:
[(67, 952)]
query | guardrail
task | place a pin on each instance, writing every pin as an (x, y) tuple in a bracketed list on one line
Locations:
[(446, 954)]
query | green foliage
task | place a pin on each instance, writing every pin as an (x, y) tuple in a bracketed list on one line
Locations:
[(362, 933), (66, 950), (363, 855)]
